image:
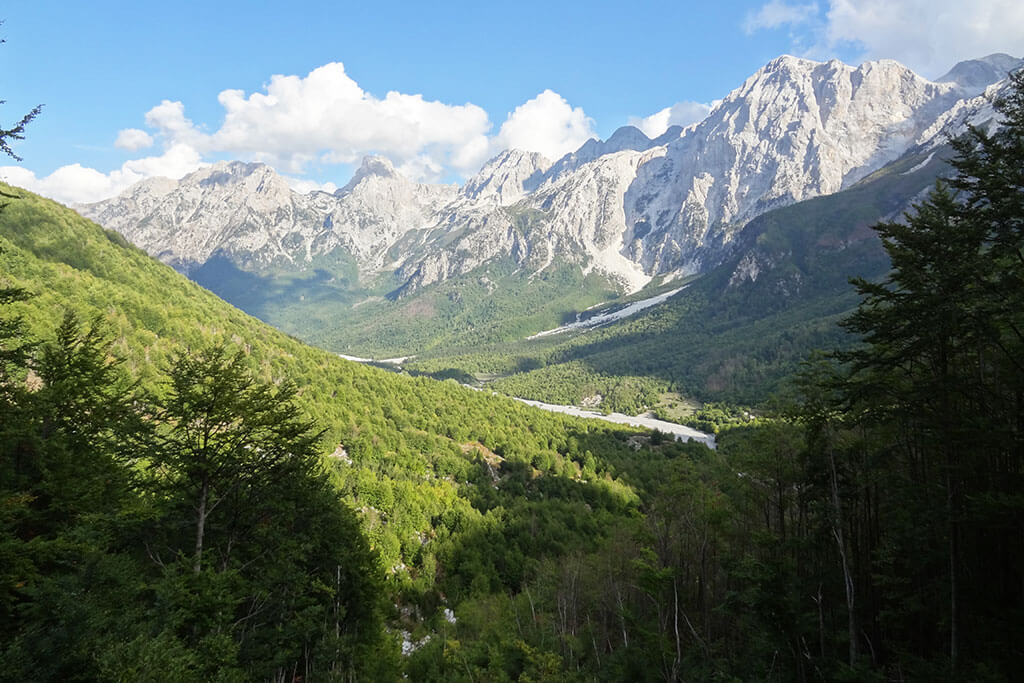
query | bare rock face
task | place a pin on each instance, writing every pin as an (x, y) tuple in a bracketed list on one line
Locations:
[(375, 209), (795, 129), (625, 138), (248, 214), (506, 178), (584, 212), (629, 207), (245, 211)]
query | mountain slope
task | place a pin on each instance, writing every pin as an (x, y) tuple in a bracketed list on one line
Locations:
[(465, 496), (248, 214), (392, 433), (794, 130), (739, 330), (351, 270)]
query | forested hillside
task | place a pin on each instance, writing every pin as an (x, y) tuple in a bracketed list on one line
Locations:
[(169, 511), (737, 332), (461, 494)]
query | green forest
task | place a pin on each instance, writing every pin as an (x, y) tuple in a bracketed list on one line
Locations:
[(720, 339), (188, 494)]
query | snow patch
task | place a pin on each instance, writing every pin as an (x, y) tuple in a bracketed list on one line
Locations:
[(605, 318), (919, 166)]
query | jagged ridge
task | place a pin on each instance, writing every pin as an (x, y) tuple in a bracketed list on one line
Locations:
[(630, 207)]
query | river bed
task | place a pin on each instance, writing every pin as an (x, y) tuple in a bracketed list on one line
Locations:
[(680, 432), (646, 420)]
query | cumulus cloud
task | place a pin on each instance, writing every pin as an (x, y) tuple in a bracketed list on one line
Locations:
[(68, 184), (679, 114), (169, 120), (547, 124), (74, 183), (778, 13), (324, 118), (305, 185), (177, 160), (929, 36), (424, 168), (133, 139)]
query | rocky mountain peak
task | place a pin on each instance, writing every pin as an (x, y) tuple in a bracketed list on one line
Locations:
[(371, 167), (158, 186), (628, 137), (227, 172), (793, 130), (624, 138), (672, 133), (974, 75), (629, 206), (784, 63), (505, 178)]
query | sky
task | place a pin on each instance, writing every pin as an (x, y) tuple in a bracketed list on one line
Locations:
[(133, 90)]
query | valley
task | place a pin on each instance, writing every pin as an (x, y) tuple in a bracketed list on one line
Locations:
[(470, 279), (739, 400)]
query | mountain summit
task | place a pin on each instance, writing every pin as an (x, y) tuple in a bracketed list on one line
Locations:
[(627, 209), (974, 75), (372, 167)]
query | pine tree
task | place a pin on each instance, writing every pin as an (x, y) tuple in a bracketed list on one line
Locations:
[(15, 132), (227, 439), (942, 367)]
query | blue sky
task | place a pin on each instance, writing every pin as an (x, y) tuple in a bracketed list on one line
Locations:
[(136, 89)]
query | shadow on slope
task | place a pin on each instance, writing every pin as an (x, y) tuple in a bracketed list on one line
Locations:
[(739, 331)]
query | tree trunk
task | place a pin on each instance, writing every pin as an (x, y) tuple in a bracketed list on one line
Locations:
[(204, 493), (837, 533), (954, 616)]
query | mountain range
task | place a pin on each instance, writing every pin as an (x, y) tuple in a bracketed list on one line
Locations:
[(433, 532), (353, 270)]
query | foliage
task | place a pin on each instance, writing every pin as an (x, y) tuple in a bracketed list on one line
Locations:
[(17, 131), (724, 337), (99, 579), (871, 531), (940, 375), (714, 418), (460, 493), (327, 305)]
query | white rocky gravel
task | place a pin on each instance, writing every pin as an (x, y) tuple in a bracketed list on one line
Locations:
[(646, 420), (611, 316)]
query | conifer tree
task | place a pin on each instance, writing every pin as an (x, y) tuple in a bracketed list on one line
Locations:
[(227, 439), (942, 366)]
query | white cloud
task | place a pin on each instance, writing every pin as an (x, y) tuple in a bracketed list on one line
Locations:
[(778, 13), (305, 185), (176, 161), (679, 114), (422, 167), (324, 118), (68, 184), (75, 183), (547, 124), (173, 127), (929, 36), (133, 139)]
